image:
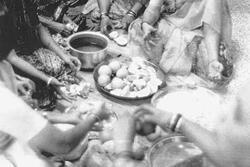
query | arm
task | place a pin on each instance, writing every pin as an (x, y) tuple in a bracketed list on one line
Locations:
[(26, 67), (104, 6), (152, 13), (56, 26), (131, 14), (73, 117), (54, 141), (214, 145), (211, 143), (48, 42), (123, 140)]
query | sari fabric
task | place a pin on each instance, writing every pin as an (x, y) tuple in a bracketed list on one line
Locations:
[(180, 45)]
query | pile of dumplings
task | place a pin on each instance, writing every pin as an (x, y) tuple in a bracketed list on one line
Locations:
[(134, 79)]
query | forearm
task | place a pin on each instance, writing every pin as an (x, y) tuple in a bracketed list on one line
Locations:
[(49, 43), (73, 136), (26, 67), (47, 22), (60, 118), (104, 5), (208, 141), (124, 138), (137, 7), (55, 141), (152, 13)]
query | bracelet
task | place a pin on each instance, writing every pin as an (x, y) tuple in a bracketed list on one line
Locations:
[(174, 121), (132, 13), (49, 81), (178, 126)]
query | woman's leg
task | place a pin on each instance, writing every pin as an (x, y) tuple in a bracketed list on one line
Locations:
[(212, 41), (212, 36)]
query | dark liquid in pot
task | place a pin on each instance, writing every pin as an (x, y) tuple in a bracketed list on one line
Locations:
[(90, 48)]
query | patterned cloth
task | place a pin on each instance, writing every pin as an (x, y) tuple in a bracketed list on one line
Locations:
[(29, 47), (118, 9), (47, 8)]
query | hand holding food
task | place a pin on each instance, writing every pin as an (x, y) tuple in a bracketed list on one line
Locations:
[(82, 89), (147, 30), (73, 62), (62, 28), (147, 114), (106, 24), (24, 86), (126, 20), (99, 109)]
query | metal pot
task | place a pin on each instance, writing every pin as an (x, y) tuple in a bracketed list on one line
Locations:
[(89, 47)]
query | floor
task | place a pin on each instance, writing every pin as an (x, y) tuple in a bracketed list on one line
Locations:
[(240, 11)]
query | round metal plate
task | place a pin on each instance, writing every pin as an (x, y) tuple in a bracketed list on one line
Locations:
[(101, 89)]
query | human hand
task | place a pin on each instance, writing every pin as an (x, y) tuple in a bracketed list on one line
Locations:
[(99, 109), (148, 114), (73, 62), (147, 30), (63, 95), (62, 29), (215, 69), (106, 25), (127, 20), (25, 87)]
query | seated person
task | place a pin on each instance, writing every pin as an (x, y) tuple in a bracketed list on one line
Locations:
[(228, 145), (185, 36), (106, 15), (41, 136), (52, 65), (62, 148), (62, 17)]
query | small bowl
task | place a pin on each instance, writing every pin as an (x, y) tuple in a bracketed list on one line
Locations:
[(89, 47), (177, 151)]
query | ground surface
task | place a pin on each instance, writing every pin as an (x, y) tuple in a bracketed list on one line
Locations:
[(240, 10)]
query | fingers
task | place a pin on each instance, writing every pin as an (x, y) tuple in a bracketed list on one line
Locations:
[(28, 86), (144, 109), (55, 82), (22, 90), (77, 63)]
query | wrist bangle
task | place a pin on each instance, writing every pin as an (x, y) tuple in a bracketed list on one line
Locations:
[(49, 81), (132, 13), (178, 126), (174, 121)]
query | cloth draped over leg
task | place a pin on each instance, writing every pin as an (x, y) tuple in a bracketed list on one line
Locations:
[(180, 35)]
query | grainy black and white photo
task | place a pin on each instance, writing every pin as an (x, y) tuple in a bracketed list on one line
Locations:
[(124, 83)]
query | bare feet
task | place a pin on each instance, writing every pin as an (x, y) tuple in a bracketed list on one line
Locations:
[(214, 70)]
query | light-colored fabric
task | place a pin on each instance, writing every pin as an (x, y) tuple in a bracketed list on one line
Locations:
[(17, 118), (181, 35), (7, 76), (21, 155)]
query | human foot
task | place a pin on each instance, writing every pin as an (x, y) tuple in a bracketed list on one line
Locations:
[(214, 70)]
